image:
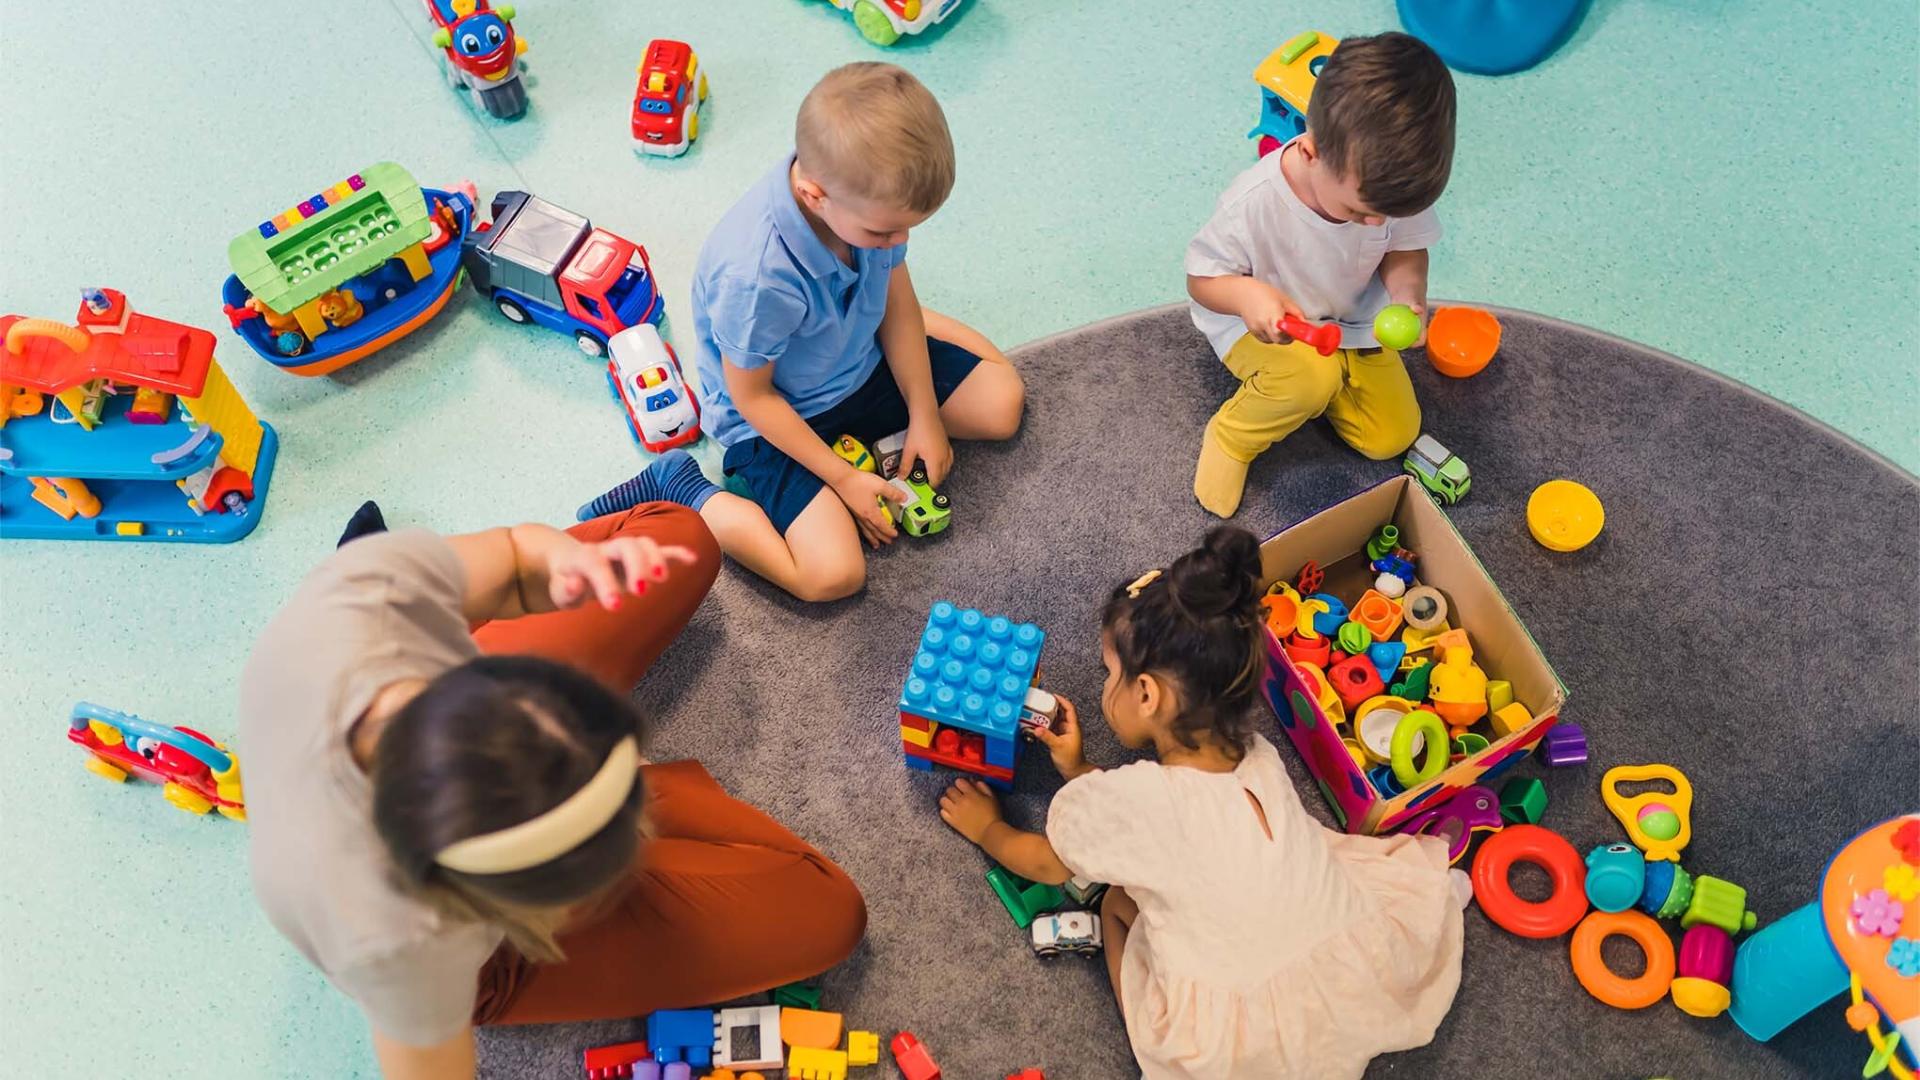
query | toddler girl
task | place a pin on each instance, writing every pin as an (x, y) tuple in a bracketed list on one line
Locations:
[(1242, 937)]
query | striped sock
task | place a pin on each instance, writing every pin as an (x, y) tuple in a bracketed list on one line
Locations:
[(672, 477)]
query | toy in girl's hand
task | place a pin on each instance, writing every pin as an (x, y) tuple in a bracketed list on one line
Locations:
[(1476, 809), (1324, 337)]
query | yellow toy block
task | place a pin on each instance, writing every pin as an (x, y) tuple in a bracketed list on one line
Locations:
[(915, 737), (1510, 719), (810, 1028), (813, 1063), (863, 1047), (1288, 70), (1499, 694)]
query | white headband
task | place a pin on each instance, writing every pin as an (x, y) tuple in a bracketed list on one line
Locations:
[(555, 832)]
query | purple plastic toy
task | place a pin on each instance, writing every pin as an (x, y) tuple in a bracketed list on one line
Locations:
[(1564, 744), (1457, 819)]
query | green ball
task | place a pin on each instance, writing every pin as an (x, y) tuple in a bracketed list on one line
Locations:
[(1396, 327), (1661, 824)]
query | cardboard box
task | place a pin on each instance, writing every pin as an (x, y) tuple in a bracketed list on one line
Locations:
[(1335, 538)]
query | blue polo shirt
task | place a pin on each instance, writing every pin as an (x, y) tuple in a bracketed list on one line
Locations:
[(766, 290)]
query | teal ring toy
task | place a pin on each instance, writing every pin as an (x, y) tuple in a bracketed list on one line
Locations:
[(1419, 722)]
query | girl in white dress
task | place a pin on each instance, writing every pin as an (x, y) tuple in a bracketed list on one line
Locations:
[(1244, 939)]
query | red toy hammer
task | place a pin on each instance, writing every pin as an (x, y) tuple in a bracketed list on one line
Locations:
[(1324, 337)]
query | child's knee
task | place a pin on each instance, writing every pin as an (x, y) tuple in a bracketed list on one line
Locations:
[(832, 580), (1388, 436), (1003, 422)]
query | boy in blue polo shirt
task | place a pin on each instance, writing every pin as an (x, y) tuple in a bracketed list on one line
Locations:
[(807, 328)]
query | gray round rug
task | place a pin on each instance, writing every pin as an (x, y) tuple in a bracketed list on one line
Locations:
[(1748, 616)]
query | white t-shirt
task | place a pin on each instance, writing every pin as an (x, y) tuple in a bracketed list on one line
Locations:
[(1261, 229)]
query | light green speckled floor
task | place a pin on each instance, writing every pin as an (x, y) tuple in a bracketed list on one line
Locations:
[(1733, 182)]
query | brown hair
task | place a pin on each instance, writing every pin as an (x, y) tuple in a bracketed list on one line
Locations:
[(873, 130), (1382, 113), (488, 745), (1198, 628)]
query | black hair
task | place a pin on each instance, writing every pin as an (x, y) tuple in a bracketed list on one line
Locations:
[(1198, 628), (490, 744)]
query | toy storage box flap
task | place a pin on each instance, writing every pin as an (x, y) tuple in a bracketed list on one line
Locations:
[(1335, 537)]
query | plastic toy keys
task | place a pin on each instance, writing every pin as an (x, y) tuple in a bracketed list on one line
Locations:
[(1475, 809), (1659, 824), (1324, 337), (197, 773), (913, 1058)]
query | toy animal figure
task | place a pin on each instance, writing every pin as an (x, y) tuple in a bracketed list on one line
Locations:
[(341, 308), (277, 323)]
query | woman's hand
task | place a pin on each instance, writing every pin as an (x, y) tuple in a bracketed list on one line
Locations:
[(1065, 743), (608, 570), (970, 808)]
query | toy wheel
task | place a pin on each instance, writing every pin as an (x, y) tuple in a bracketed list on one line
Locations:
[(693, 124), (590, 345), (514, 312), (505, 101), (874, 24), (186, 799), (105, 770), (918, 475), (237, 813), (703, 87), (452, 73), (941, 502)]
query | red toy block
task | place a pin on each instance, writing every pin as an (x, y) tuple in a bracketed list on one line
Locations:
[(917, 723), (912, 1057), (1027, 1074), (613, 1062), (976, 764), (1354, 680), (1309, 650)]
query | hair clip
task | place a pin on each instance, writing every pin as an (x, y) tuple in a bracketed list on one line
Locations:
[(1141, 582)]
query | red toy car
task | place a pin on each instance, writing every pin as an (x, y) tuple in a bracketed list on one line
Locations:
[(199, 774), (666, 105)]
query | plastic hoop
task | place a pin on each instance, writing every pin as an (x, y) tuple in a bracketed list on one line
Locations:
[(1546, 849), (1600, 981), (1419, 722)]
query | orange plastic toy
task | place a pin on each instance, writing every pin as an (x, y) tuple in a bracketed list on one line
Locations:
[(1462, 340), (1379, 613), (1600, 981), (1551, 917), (810, 1028)]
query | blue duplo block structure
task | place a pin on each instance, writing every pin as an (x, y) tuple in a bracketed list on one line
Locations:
[(961, 703)]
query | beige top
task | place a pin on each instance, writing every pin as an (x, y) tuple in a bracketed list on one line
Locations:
[(1300, 955), (382, 609)]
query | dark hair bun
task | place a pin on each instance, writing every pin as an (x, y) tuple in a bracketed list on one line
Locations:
[(1221, 576)]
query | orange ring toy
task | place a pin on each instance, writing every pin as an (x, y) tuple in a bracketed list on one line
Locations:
[(1545, 849), (1600, 981)]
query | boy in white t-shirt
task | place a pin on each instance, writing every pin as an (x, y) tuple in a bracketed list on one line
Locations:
[(1333, 226)]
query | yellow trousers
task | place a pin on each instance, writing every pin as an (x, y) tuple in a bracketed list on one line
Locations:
[(1364, 394)]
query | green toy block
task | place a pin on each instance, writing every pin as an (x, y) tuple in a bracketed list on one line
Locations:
[(1383, 543), (1720, 903), (1499, 695), (1523, 801), (1024, 900), (797, 995)]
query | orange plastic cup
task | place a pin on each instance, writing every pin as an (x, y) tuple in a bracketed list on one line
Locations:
[(1462, 340)]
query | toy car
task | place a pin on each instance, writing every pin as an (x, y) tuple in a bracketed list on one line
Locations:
[(539, 263), (666, 104), (198, 774), (645, 376), (1076, 932), (926, 511), (482, 53), (1439, 470), (883, 22), (854, 452)]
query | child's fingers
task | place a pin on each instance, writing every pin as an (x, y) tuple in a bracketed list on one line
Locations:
[(598, 571)]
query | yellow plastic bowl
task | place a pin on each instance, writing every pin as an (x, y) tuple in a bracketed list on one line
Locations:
[(1564, 516)]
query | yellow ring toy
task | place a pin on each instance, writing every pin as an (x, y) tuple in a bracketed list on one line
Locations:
[(1419, 722), (1600, 981)]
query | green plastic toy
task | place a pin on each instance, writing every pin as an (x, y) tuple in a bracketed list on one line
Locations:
[(797, 996), (1024, 900), (1383, 543), (1413, 684), (1523, 801), (1396, 327), (1354, 638)]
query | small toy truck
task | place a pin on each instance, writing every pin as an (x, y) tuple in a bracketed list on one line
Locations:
[(1076, 932), (926, 511), (666, 104), (645, 376), (482, 53), (1439, 470), (538, 263)]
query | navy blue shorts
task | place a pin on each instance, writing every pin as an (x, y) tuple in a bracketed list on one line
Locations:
[(783, 487)]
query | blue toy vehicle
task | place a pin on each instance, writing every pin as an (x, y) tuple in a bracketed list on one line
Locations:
[(538, 263)]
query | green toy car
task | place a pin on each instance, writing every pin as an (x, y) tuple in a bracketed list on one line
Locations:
[(1439, 470), (926, 511)]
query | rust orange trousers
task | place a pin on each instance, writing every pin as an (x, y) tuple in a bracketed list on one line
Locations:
[(723, 900)]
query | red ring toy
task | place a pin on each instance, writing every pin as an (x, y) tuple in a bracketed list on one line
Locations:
[(1544, 848), (1599, 979)]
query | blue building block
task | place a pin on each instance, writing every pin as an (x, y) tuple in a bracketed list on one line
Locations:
[(972, 672), (1385, 657), (1328, 622), (681, 1035)]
